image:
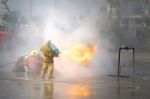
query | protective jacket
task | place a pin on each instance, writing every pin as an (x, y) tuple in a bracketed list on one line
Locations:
[(48, 54)]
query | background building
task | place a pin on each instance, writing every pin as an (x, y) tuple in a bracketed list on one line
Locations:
[(130, 21)]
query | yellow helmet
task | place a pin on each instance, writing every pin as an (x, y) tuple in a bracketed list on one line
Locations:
[(34, 52)]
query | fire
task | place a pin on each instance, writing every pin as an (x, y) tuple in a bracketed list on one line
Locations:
[(81, 53)]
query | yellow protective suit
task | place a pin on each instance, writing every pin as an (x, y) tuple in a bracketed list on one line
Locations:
[(48, 61)]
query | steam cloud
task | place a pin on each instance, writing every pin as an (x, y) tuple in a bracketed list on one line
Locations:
[(67, 23)]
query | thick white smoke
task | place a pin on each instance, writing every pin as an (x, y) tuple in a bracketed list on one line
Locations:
[(65, 29), (67, 23)]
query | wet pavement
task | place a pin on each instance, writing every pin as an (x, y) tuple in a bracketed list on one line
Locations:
[(17, 86), (20, 86)]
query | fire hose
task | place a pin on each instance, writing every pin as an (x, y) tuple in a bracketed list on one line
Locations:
[(7, 63)]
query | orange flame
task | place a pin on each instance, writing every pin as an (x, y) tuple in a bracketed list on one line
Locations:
[(81, 53)]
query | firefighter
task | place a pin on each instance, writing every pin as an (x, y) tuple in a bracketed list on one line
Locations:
[(48, 59), (33, 62)]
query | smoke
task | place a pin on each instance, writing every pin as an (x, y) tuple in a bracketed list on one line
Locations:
[(69, 23), (66, 29)]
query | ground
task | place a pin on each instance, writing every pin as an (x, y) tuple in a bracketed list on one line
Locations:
[(20, 86), (17, 86)]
